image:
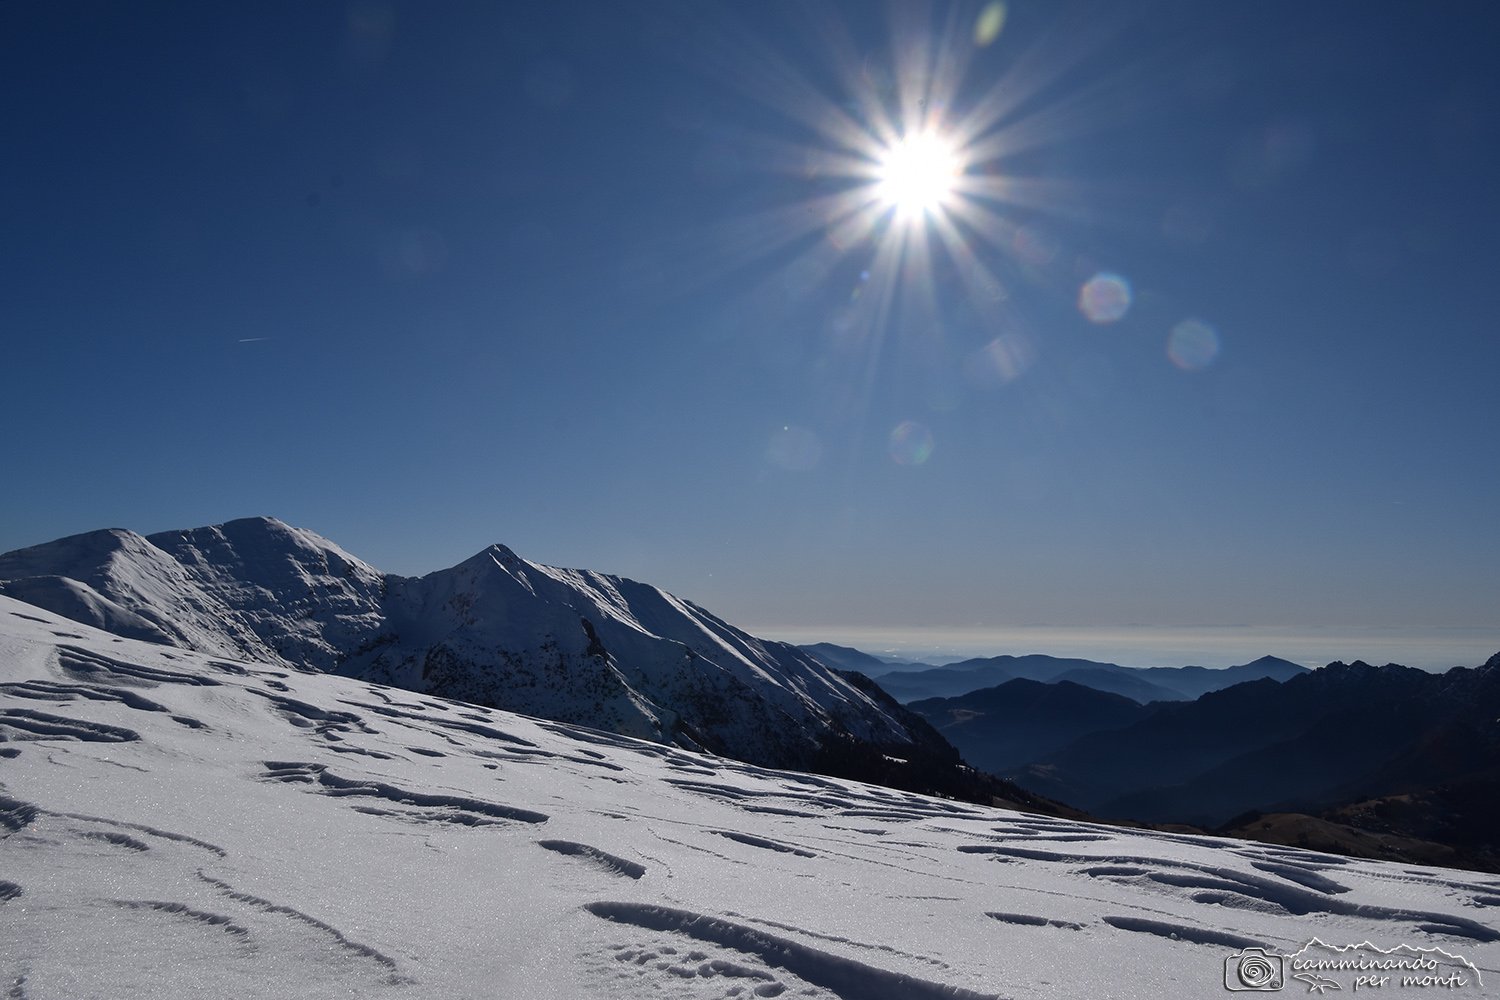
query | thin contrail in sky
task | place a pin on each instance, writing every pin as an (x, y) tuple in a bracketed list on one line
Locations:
[(253, 340)]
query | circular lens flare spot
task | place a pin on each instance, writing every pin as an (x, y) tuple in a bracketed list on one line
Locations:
[(917, 175), (1104, 298), (1001, 361), (911, 443), (1193, 345)]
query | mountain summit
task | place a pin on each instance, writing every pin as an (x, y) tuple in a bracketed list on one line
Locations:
[(497, 630), (253, 588)]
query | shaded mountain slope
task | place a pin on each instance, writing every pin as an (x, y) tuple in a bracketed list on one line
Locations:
[(1004, 727), (1342, 734)]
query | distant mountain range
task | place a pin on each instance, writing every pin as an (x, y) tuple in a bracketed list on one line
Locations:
[(497, 630), (849, 658), (1392, 749), (1140, 684), (1384, 762)]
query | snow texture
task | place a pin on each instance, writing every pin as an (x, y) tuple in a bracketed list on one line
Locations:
[(181, 824)]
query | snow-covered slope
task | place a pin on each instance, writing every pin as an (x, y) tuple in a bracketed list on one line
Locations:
[(497, 630), (176, 824), (583, 647), (254, 588)]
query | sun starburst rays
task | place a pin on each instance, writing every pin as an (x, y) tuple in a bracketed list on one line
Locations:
[(914, 168), (914, 228)]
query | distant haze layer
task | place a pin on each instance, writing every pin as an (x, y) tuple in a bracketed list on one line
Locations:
[(1164, 646)]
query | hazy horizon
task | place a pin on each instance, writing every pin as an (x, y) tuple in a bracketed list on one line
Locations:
[(1136, 645), (1165, 646)]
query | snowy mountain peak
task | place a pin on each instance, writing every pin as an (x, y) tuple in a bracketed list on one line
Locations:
[(498, 630), (253, 587), (502, 554), (76, 556), (264, 545)]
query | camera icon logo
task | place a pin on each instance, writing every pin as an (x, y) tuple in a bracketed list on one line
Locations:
[(1254, 970)]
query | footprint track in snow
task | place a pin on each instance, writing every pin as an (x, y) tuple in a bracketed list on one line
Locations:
[(643, 957), (843, 977)]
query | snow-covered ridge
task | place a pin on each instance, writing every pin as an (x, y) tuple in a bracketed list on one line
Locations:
[(496, 629), (253, 588), (175, 824)]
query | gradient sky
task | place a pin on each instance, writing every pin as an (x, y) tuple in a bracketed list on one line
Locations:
[(422, 277)]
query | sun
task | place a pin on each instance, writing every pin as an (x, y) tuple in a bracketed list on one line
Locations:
[(918, 175)]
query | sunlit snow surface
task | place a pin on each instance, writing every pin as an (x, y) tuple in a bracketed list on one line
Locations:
[(178, 825)]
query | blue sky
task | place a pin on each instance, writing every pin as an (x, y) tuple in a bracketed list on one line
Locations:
[(421, 277)]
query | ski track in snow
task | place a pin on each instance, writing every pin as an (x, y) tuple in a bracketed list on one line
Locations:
[(227, 829)]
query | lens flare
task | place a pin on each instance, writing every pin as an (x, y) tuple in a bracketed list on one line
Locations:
[(929, 186), (991, 20), (1001, 361), (911, 443), (1104, 298), (1193, 345)]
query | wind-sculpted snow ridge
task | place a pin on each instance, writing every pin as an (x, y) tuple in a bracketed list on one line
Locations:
[(318, 836), (570, 645)]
